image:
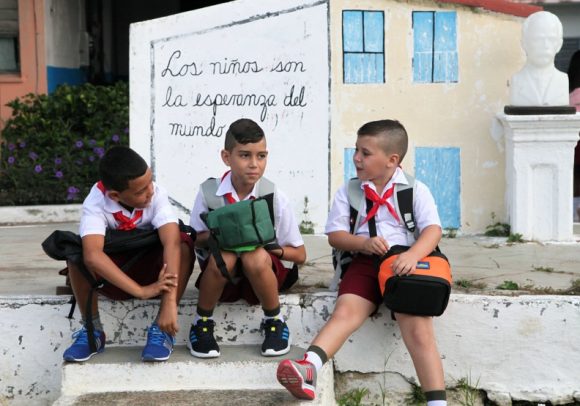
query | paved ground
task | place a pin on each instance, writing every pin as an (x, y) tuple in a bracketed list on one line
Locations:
[(480, 264)]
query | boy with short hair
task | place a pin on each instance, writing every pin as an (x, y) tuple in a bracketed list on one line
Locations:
[(259, 273), (126, 198), (380, 148)]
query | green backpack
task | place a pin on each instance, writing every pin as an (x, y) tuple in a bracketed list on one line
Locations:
[(239, 227), (242, 226)]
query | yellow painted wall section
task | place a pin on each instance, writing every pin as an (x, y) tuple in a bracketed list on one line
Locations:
[(435, 114)]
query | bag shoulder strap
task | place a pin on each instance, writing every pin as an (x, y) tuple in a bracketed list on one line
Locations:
[(356, 200), (208, 190), (404, 196)]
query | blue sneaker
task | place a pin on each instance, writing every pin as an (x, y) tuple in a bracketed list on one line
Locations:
[(80, 350), (159, 345)]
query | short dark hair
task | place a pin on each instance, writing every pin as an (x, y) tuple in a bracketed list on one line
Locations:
[(118, 166), (243, 131), (393, 134)]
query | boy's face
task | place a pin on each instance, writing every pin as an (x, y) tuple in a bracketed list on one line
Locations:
[(247, 162), (371, 161), (139, 193)]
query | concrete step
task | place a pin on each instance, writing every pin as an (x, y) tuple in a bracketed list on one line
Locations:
[(240, 375)]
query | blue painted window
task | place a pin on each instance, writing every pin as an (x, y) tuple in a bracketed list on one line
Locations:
[(363, 39), (435, 46), (349, 169), (440, 170)]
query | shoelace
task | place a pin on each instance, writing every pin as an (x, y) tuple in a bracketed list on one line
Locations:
[(81, 336), (156, 336)]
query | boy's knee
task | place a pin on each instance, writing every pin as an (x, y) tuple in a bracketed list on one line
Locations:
[(257, 261)]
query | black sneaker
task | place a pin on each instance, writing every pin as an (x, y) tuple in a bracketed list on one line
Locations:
[(277, 340), (203, 344)]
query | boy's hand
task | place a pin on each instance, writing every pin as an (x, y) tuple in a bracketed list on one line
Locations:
[(405, 263), (375, 245), (165, 282), (167, 319)]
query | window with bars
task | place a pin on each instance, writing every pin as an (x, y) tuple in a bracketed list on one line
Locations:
[(435, 47), (363, 39), (9, 50)]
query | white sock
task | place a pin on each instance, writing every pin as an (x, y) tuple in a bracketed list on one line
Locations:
[(315, 360), (277, 317), (437, 403), (198, 318)]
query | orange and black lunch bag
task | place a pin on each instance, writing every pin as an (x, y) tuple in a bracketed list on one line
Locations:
[(424, 292)]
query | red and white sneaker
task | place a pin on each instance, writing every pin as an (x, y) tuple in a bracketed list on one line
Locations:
[(299, 377)]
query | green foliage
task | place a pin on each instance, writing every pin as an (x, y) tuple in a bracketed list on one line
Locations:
[(450, 232), (546, 269), (508, 285), (353, 397), (517, 237), (52, 143), (306, 226), (497, 229), (469, 393), (416, 396), (468, 285)]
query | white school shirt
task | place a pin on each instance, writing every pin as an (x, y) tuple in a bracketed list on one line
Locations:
[(424, 210), (98, 211), (287, 231)]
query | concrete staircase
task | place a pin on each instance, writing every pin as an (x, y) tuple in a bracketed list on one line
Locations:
[(239, 376)]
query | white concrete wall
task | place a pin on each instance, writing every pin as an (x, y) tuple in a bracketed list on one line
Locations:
[(272, 59), (523, 347)]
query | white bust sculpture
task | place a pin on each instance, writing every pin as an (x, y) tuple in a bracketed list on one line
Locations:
[(539, 83)]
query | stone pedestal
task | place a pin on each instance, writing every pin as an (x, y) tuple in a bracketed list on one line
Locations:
[(539, 174)]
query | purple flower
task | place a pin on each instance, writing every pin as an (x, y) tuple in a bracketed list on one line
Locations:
[(11, 160), (22, 144), (58, 174), (11, 147), (38, 168), (33, 156), (57, 161), (91, 158), (72, 193), (100, 151), (92, 143), (79, 144), (115, 138), (126, 130)]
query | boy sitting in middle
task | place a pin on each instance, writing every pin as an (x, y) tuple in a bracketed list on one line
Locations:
[(259, 273)]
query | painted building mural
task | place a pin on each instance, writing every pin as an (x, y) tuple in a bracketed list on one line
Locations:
[(311, 73)]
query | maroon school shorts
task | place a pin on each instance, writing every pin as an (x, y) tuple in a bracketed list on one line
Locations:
[(145, 271), (362, 279), (243, 289)]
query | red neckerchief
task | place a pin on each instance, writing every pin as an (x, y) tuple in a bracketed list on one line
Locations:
[(229, 196), (124, 223), (379, 201)]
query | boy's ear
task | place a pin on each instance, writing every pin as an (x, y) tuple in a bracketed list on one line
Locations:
[(225, 156), (394, 159), (113, 195)]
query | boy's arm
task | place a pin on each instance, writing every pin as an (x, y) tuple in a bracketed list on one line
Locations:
[(345, 241), (99, 263), (406, 262), (292, 254), (171, 241)]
